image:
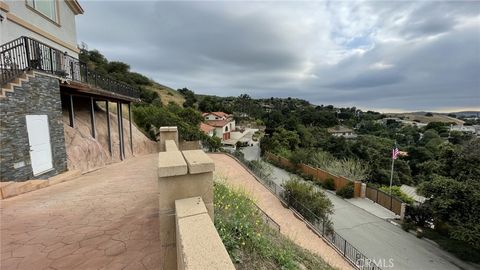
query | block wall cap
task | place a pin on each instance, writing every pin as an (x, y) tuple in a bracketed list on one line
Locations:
[(168, 129), (170, 145), (199, 245), (171, 164), (190, 207), (198, 161)]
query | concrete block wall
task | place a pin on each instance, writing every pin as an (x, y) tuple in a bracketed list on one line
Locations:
[(198, 244), (40, 95), (181, 175)]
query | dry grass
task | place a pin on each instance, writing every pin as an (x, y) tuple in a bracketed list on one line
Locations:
[(167, 94)]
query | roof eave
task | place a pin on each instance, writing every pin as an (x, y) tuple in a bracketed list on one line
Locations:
[(75, 6)]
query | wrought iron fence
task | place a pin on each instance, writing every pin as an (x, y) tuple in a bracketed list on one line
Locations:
[(27, 53), (319, 225), (268, 220)]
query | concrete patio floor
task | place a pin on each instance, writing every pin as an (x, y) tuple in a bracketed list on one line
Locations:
[(106, 219)]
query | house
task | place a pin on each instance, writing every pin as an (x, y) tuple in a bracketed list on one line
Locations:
[(222, 123), (342, 131), (412, 193), (461, 128), (42, 79)]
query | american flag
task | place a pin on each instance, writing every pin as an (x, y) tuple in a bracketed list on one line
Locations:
[(395, 152)]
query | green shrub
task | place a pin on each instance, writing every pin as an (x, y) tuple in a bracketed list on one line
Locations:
[(461, 249), (309, 202), (346, 191), (329, 184), (397, 193), (407, 226)]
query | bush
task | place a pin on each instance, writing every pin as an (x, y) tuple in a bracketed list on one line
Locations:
[(329, 184), (312, 204), (407, 226), (461, 249), (346, 191), (418, 215), (397, 193)]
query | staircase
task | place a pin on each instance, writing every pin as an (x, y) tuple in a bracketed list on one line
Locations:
[(9, 87)]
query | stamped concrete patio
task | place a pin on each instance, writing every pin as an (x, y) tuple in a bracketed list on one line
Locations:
[(106, 219)]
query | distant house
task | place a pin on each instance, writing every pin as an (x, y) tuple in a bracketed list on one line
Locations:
[(412, 193), (465, 129), (342, 131), (222, 123)]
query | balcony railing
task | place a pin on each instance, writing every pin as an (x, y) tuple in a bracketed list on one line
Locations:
[(26, 53)]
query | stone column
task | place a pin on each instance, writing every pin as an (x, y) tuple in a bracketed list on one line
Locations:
[(181, 175), (363, 191), (165, 134), (403, 208)]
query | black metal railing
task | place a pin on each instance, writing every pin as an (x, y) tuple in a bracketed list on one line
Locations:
[(267, 219), (319, 225), (27, 53)]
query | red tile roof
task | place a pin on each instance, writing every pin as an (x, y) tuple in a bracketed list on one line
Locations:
[(219, 114), (218, 123), (206, 128)]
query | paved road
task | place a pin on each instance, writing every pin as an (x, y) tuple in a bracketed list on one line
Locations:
[(107, 219), (379, 239)]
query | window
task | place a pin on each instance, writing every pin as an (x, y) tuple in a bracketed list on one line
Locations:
[(45, 7)]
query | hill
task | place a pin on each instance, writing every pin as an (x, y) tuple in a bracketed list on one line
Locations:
[(422, 118), (167, 94)]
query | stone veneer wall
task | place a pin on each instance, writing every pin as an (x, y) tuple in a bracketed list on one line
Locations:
[(39, 95)]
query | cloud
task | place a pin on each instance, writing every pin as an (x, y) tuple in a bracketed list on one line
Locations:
[(400, 55)]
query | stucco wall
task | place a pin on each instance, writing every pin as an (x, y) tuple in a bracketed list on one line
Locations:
[(64, 31), (38, 95)]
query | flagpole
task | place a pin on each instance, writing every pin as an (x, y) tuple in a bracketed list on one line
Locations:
[(391, 176)]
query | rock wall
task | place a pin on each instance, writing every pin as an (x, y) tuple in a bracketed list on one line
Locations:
[(37, 95), (86, 153)]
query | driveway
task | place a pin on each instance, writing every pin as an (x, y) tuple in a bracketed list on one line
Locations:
[(380, 240), (106, 219)]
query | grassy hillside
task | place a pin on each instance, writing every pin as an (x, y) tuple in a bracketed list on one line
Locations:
[(167, 94), (421, 117), (250, 242)]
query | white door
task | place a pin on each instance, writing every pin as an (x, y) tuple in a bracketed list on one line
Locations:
[(39, 138)]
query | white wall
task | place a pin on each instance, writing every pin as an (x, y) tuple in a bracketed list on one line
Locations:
[(212, 117), (66, 32), (219, 132)]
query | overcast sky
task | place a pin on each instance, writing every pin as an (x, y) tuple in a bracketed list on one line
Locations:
[(382, 55)]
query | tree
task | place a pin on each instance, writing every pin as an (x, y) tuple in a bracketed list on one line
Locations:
[(455, 204), (189, 96)]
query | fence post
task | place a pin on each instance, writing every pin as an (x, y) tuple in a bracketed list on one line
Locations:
[(323, 227), (391, 202), (344, 247), (27, 50)]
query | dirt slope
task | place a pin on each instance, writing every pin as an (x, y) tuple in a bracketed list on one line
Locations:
[(86, 153)]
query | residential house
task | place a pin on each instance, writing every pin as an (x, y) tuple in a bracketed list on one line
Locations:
[(461, 128), (342, 131), (223, 124), (41, 78)]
